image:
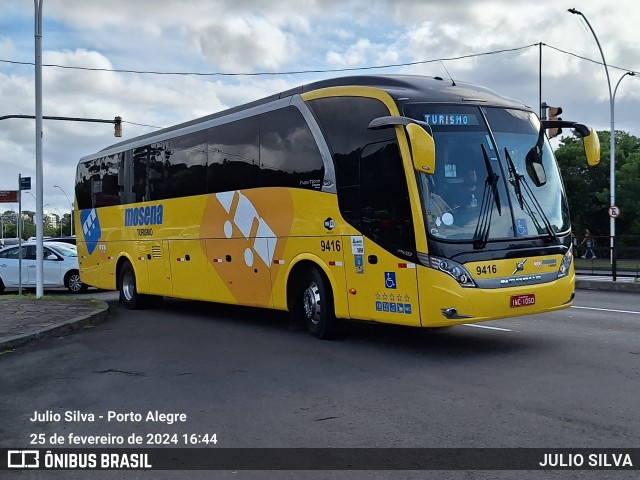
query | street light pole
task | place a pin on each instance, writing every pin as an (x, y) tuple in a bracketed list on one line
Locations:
[(612, 151), (71, 205), (39, 169)]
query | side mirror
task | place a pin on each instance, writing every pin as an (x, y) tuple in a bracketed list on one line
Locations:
[(589, 136), (51, 256), (592, 148), (423, 149)]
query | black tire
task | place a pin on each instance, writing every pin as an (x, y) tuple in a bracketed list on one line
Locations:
[(129, 296), (312, 303), (73, 283), (1, 286)]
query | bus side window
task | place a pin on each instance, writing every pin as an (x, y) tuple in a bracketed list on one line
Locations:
[(83, 185), (233, 156), (344, 122), (289, 155), (140, 160), (386, 211)]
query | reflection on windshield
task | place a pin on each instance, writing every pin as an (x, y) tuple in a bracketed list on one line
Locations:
[(455, 202)]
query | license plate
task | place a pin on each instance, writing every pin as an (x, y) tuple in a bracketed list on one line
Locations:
[(523, 300)]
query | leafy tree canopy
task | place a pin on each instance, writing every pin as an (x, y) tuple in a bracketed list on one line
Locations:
[(588, 188)]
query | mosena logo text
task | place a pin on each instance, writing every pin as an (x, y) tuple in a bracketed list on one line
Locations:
[(149, 215)]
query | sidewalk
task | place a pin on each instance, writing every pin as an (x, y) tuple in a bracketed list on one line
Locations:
[(606, 283), (25, 319)]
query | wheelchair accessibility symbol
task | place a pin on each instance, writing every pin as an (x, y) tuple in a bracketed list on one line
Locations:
[(521, 227), (390, 279)]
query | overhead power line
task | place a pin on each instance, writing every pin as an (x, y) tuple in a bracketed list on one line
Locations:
[(298, 72), (292, 72)]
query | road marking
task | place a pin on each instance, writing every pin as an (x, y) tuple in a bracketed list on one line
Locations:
[(607, 310), (485, 326)]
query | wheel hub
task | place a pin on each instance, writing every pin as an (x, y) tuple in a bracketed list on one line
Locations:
[(128, 286), (311, 303)]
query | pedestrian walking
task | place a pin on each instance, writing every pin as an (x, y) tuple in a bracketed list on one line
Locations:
[(588, 242)]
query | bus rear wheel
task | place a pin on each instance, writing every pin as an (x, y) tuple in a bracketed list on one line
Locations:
[(313, 302), (129, 296)]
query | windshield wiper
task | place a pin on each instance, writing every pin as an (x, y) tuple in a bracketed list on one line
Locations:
[(515, 179), (481, 235)]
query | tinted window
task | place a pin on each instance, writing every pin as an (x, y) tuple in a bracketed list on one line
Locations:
[(97, 182), (29, 253), (147, 174), (10, 253), (386, 210), (372, 190), (234, 161), (344, 121), (274, 149), (172, 168), (83, 185), (289, 155)]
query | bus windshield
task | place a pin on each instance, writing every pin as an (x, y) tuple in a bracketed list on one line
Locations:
[(496, 177)]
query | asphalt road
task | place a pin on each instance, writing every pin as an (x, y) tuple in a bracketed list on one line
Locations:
[(565, 380)]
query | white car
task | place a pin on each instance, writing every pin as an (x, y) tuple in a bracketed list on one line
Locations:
[(60, 266)]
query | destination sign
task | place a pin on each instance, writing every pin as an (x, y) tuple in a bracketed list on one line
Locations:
[(451, 119)]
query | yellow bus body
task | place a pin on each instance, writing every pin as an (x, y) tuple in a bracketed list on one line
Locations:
[(246, 247)]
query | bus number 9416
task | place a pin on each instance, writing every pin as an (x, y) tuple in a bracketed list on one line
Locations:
[(486, 269), (330, 245)]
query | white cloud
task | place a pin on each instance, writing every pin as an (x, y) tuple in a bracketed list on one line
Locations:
[(244, 44)]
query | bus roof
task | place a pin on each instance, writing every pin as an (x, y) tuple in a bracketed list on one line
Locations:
[(402, 88)]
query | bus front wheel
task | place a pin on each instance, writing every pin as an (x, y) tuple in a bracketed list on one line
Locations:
[(314, 304)]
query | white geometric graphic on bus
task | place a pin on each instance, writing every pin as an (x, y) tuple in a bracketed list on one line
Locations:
[(89, 223), (90, 228), (246, 213)]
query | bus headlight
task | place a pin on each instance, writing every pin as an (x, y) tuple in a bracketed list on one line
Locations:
[(454, 269), (565, 265)]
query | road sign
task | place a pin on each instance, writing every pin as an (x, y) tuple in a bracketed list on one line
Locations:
[(614, 211), (8, 196), (25, 183)]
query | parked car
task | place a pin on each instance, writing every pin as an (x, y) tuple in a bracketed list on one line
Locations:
[(70, 240), (60, 266)]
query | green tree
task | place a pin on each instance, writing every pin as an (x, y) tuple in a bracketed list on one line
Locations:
[(588, 188), (29, 230)]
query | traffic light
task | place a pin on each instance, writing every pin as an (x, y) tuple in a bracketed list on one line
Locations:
[(117, 123), (554, 113)]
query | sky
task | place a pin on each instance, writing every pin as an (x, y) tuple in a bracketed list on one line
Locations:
[(216, 54)]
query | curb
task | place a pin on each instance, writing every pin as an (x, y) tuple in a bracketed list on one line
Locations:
[(627, 287), (66, 327)]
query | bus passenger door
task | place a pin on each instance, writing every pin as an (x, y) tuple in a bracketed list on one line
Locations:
[(386, 284), (381, 286)]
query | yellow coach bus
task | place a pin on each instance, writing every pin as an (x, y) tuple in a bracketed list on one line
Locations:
[(394, 199)]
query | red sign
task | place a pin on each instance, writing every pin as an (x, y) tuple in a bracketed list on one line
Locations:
[(8, 196), (523, 300)]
